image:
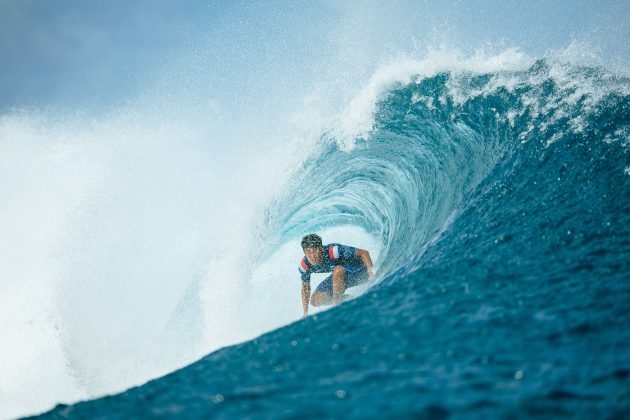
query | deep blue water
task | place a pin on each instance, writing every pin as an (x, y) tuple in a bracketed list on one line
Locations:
[(503, 205)]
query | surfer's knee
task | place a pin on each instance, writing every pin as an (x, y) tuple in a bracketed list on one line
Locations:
[(338, 270)]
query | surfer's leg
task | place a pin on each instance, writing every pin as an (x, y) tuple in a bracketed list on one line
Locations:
[(338, 284), (325, 292), (321, 299), (322, 296)]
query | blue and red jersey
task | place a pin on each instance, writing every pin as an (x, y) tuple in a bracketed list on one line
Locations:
[(334, 254)]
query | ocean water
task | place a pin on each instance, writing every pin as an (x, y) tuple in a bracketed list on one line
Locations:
[(498, 205), (151, 212)]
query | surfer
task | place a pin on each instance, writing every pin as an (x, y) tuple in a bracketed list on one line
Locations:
[(349, 267)]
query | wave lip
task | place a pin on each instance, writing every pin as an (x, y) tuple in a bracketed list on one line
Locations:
[(357, 119)]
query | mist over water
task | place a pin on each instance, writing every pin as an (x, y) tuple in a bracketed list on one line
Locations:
[(151, 222), (106, 224)]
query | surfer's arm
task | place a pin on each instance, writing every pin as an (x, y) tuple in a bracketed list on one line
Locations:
[(364, 256), (306, 296)]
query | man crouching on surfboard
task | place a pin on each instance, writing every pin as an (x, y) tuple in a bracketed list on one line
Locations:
[(349, 266)]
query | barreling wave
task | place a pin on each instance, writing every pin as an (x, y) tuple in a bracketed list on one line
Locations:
[(435, 139), (501, 201)]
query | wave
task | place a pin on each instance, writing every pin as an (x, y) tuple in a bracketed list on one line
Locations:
[(434, 139), (479, 184), (499, 205)]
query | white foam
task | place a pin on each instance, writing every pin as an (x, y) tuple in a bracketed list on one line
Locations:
[(573, 85), (357, 119), (105, 223)]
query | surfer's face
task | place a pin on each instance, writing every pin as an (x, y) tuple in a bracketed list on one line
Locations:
[(313, 255)]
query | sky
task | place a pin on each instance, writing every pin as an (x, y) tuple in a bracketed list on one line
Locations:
[(95, 54)]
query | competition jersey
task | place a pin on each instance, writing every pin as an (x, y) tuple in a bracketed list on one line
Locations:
[(334, 254)]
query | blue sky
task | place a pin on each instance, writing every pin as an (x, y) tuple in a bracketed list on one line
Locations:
[(76, 53)]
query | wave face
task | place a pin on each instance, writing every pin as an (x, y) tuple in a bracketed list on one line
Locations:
[(500, 206)]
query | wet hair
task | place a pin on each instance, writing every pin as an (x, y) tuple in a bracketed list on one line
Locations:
[(311, 241)]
